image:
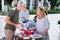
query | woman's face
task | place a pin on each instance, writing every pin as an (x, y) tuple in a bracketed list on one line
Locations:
[(39, 12)]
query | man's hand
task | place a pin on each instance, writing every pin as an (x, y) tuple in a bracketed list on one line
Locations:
[(17, 26)]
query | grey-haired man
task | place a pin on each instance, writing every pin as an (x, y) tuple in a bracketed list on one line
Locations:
[(12, 22)]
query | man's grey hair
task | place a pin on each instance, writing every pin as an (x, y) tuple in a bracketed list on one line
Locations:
[(21, 2)]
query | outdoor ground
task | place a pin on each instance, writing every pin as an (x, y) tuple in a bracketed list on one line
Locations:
[(53, 31)]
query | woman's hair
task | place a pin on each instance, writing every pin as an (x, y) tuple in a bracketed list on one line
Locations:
[(44, 12)]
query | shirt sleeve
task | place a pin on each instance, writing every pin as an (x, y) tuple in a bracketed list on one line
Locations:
[(11, 13), (27, 14), (47, 23)]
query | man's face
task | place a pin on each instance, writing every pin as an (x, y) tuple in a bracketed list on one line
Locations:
[(19, 7), (23, 6)]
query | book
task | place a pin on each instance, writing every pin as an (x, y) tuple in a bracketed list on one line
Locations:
[(34, 36)]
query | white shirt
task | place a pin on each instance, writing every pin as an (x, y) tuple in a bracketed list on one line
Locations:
[(24, 14), (42, 24)]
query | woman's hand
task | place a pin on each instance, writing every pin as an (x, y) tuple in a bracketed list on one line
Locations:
[(44, 33)]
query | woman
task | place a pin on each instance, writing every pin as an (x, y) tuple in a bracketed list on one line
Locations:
[(42, 23)]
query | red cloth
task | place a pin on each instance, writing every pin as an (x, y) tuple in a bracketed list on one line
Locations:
[(28, 32)]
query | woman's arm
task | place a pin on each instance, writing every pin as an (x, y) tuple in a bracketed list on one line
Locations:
[(47, 23)]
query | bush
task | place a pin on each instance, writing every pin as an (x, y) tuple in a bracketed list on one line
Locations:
[(32, 11), (3, 12), (55, 11), (59, 22)]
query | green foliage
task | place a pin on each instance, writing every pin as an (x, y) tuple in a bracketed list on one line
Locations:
[(55, 11), (32, 11), (58, 1), (9, 8), (2, 12), (59, 22)]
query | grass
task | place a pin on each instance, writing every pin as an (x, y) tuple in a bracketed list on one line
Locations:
[(59, 22)]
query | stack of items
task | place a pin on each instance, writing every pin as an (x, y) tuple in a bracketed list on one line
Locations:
[(30, 28)]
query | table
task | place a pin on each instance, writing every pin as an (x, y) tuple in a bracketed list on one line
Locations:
[(22, 38), (31, 37), (36, 37)]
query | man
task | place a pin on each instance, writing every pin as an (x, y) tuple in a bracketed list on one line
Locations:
[(23, 16), (12, 22)]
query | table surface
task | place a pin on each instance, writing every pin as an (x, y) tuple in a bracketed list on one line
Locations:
[(35, 36)]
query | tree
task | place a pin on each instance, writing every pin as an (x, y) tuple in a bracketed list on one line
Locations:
[(0, 5), (9, 1), (53, 3)]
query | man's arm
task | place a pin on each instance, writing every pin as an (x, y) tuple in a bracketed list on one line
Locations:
[(7, 20)]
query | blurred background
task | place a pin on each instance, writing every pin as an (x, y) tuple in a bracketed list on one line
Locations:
[(53, 8), (6, 5)]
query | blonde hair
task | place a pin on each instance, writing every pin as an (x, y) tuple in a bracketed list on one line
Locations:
[(44, 12)]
